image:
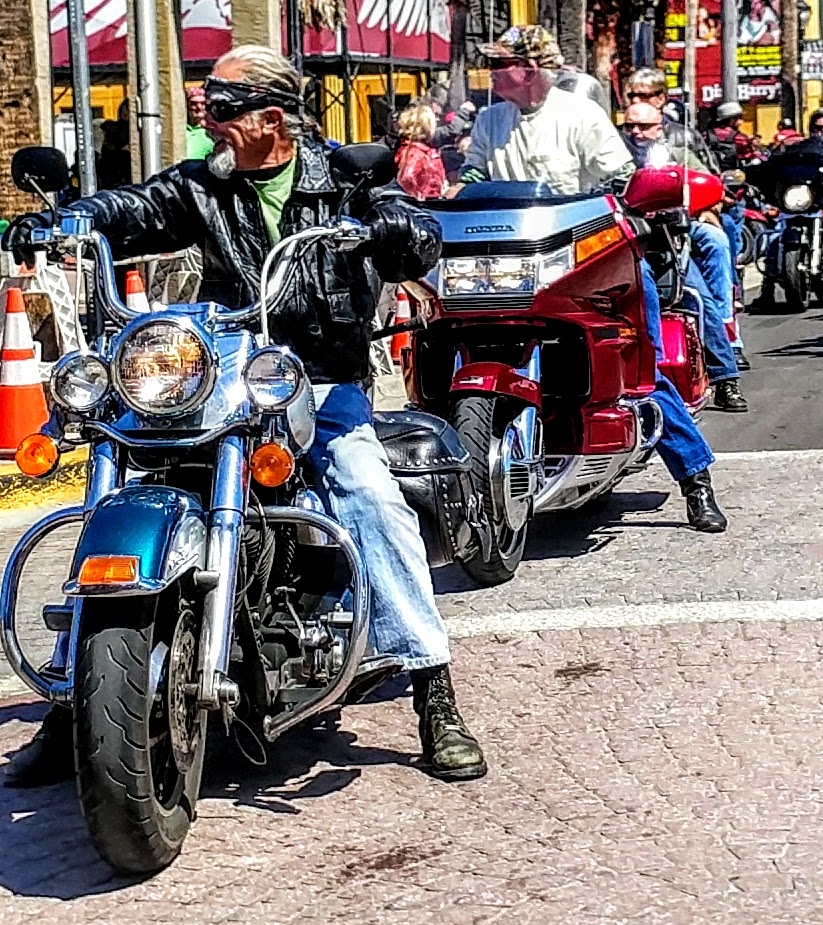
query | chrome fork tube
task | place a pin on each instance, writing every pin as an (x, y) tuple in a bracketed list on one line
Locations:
[(226, 519), (528, 424)]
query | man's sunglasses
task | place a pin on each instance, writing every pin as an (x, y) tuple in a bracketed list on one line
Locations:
[(643, 94), (817, 128), (643, 126), (227, 100), (503, 64)]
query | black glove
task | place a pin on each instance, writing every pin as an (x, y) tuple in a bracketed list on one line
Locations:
[(17, 237), (405, 241)]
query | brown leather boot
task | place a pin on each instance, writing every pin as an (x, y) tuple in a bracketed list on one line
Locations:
[(48, 758), (451, 750)]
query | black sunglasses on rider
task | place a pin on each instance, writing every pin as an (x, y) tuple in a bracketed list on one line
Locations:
[(643, 94), (817, 128), (227, 99), (643, 126)]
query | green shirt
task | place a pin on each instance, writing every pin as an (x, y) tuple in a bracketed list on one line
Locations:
[(273, 193), (198, 144)]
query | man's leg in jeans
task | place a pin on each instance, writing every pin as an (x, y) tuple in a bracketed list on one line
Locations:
[(711, 256), (352, 475), (682, 447)]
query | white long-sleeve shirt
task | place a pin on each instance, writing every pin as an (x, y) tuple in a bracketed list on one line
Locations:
[(569, 142)]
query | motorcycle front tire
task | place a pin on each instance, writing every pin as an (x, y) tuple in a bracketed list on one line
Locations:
[(480, 420), (796, 280), (137, 804), (748, 246)]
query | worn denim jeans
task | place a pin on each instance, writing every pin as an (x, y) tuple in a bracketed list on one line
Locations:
[(682, 447), (353, 478), (711, 252), (717, 348)]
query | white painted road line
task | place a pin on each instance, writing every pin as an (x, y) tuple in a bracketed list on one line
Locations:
[(638, 615)]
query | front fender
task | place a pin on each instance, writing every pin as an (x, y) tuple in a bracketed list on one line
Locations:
[(165, 528), (499, 378)]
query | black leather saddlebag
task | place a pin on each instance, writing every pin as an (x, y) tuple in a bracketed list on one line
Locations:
[(429, 460)]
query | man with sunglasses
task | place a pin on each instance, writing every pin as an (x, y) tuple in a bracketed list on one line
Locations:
[(269, 177), (644, 133), (541, 130), (543, 133)]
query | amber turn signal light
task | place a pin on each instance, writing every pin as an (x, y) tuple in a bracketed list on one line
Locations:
[(37, 456), (109, 570), (594, 243), (272, 464)]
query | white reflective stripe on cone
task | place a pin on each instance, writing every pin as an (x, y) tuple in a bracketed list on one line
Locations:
[(18, 332), (19, 372)]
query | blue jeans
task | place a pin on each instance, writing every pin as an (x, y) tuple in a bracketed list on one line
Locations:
[(682, 447), (353, 478), (711, 252)]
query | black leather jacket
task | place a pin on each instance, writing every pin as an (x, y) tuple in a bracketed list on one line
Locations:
[(328, 316)]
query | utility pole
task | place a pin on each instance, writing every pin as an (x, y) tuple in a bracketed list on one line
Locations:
[(790, 72), (690, 60), (81, 88), (729, 51), (148, 86)]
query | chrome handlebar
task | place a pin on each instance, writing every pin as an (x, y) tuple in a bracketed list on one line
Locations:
[(346, 234)]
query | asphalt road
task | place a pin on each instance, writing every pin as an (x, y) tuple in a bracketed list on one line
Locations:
[(784, 387)]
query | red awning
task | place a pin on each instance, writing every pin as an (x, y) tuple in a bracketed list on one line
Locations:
[(206, 30)]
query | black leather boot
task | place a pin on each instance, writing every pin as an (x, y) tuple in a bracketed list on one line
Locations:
[(743, 364), (727, 397), (49, 757), (703, 511), (451, 750), (765, 300)]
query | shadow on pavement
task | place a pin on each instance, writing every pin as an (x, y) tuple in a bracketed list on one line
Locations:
[(291, 758), (569, 534), (46, 851), (810, 347)]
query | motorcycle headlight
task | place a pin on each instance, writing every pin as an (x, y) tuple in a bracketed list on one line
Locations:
[(551, 268), (164, 367), (79, 381), (273, 378), (501, 275), (798, 198)]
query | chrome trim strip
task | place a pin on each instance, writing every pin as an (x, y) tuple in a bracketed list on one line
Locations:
[(56, 690), (155, 443)]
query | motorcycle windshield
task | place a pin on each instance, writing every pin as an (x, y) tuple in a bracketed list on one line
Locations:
[(509, 194), (800, 163)]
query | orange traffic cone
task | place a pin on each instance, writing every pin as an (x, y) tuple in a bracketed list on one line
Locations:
[(23, 409), (136, 298), (402, 312)]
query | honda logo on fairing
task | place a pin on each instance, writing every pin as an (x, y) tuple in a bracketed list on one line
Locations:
[(487, 229)]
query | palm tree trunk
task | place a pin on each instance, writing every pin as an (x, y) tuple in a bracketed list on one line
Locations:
[(459, 10), (571, 31)]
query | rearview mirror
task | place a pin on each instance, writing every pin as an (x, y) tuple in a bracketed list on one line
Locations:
[(40, 170), (366, 165)]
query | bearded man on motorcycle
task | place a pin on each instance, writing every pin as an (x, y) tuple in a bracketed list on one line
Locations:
[(269, 177), (543, 133)]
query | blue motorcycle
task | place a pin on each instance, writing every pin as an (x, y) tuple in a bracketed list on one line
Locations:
[(207, 579)]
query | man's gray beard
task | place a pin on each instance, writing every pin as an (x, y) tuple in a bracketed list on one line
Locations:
[(223, 163)]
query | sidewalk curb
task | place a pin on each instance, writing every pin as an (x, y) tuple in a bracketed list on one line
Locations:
[(18, 491)]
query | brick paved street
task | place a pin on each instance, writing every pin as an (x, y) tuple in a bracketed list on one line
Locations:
[(646, 765)]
